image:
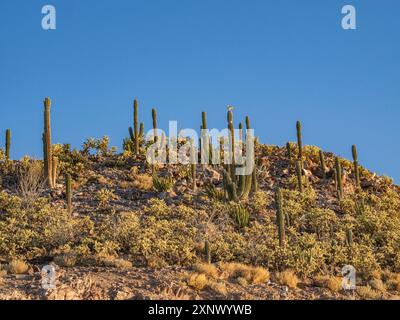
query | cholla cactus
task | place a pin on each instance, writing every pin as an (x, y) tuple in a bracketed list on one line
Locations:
[(8, 143), (356, 169), (47, 146), (68, 193), (280, 217)]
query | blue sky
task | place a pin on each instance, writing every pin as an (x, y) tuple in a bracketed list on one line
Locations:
[(277, 61)]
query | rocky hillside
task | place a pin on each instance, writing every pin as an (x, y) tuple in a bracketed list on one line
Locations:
[(134, 231)]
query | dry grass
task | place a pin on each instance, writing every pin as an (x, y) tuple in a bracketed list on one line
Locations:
[(208, 269), (113, 262), (253, 275), (332, 283), (18, 266), (218, 287), (366, 292), (378, 285), (198, 281), (287, 278), (65, 260)]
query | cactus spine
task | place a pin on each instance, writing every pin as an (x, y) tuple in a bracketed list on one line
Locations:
[(280, 217), (299, 176), (323, 166), (136, 125), (338, 168), (8, 143), (68, 193), (47, 146), (356, 169)]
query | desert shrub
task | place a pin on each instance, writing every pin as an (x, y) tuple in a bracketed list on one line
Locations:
[(330, 282), (162, 184), (296, 204), (30, 179), (260, 201), (37, 229), (18, 266), (287, 278), (70, 161), (321, 222), (172, 241), (99, 146), (104, 196), (197, 281)]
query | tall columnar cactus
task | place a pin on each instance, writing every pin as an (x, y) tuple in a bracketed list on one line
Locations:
[(131, 135), (141, 130), (229, 186), (204, 120), (289, 155), (68, 193), (207, 251), (136, 125), (349, 237), (300, 143), (299, 175), (54, 169), (154, 116), (232, 143), (338, 168), (248, 178), (8, 143), (356, 168), (47, 147), (193, 163), (280, 217), (323, 165)]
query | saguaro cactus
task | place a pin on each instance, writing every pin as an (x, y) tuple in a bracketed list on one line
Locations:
[(280, 217), (356, 169), (349, 237), (299, 175), (136, 125), (323, 166), (289, 155), (300, 143), (68, 193), (338, 168), (54, 168), (141, 130), (8, 143), (154, 116), (47, 146), (193, 163)]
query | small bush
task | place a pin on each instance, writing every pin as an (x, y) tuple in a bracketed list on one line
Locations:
[(18, 266), (287, 278)]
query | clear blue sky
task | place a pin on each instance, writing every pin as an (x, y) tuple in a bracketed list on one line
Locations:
[(277, 61)]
